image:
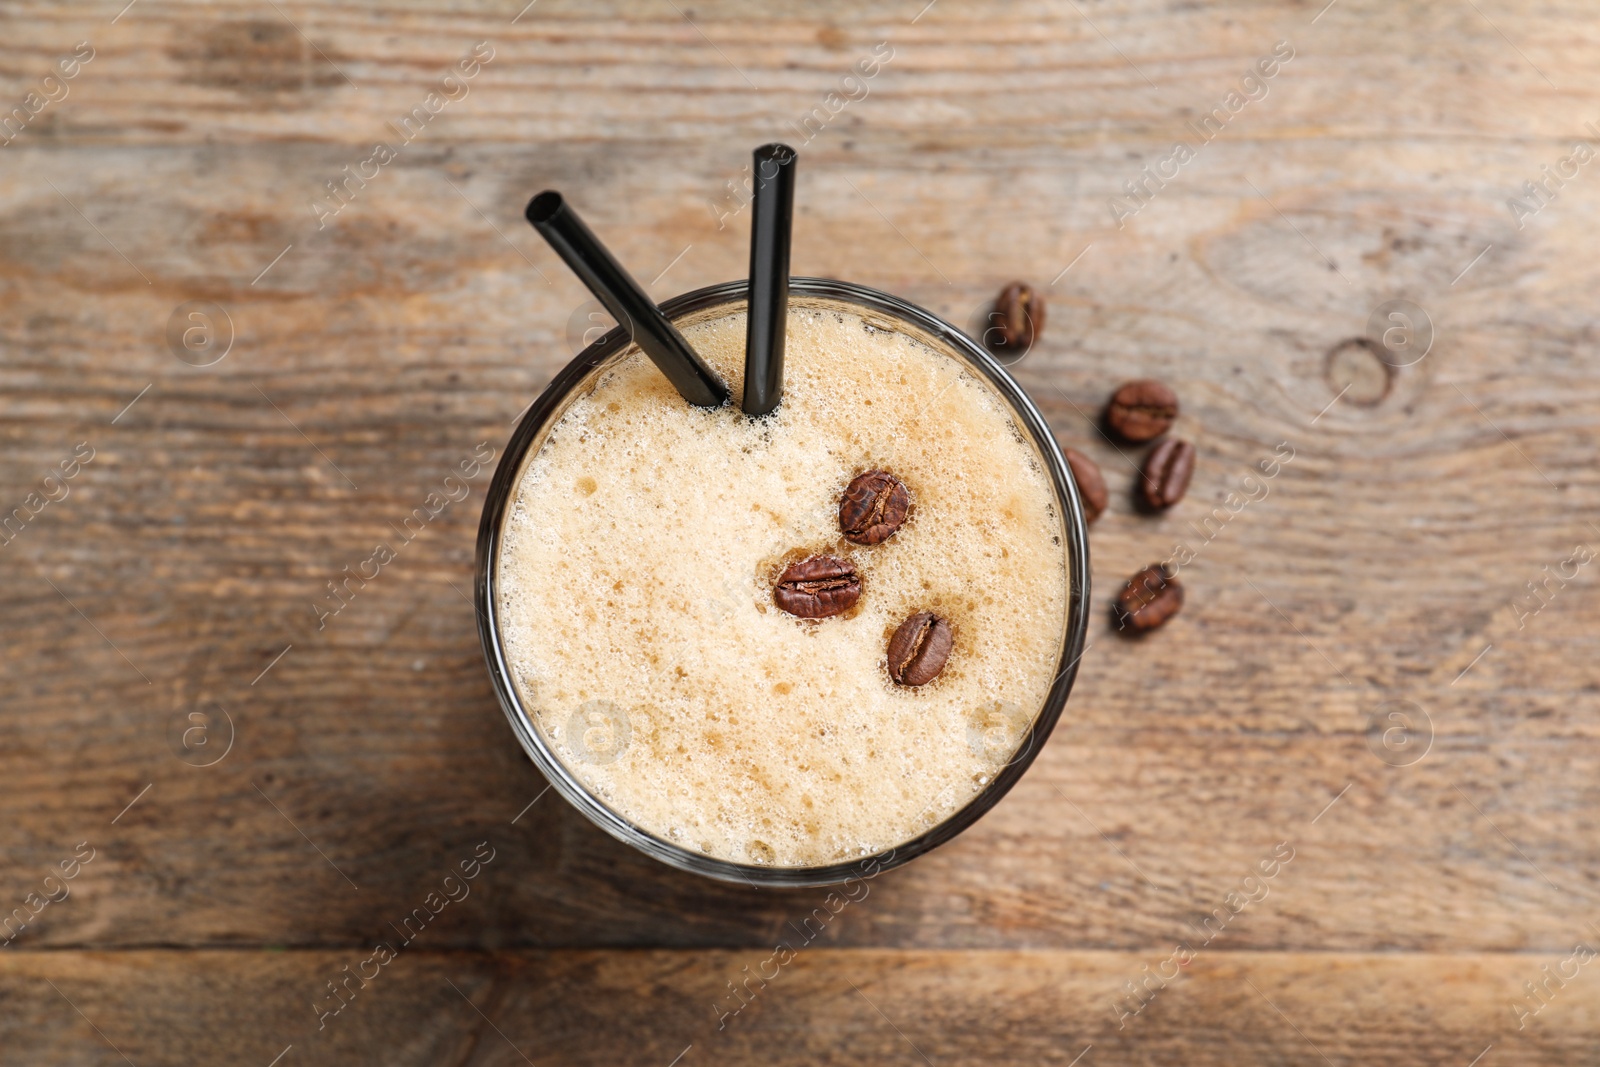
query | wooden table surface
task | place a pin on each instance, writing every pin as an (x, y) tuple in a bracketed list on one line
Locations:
[(1364, 692)]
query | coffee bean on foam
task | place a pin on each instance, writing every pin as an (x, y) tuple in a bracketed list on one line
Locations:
[(638, 567)]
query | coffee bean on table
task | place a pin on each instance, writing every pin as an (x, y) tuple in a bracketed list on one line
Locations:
[(873, 507), (1149, 599), (1091, 484), (919, 648), (1142, 410), (817, 587), (1018, 318), (1166, 473)]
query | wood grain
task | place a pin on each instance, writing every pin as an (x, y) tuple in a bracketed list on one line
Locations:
[(1383, 569), (827, 1006)]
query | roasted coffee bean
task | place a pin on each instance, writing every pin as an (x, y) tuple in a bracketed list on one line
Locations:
[(919, 648), (1150, 598), (1018, 319), (1091, 485), (1166, 473), (873, 507), (817, 587), (1142, 410)]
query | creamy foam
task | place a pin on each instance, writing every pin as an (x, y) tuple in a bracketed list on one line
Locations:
[(635, 595)]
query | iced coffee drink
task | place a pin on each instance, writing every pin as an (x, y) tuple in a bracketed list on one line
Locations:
[(795, 640)]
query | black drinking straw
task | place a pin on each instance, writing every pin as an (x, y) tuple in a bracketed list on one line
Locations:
[(770, 224), (633, 309)]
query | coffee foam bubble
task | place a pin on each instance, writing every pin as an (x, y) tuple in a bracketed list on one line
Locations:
[(635, 596)]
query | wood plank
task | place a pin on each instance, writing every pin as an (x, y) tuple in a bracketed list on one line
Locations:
[(825, 1006), (1386, 566), (1387, 563), (1394, 547), (977, 74)]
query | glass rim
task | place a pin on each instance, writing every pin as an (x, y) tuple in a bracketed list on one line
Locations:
[(551, 404)]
